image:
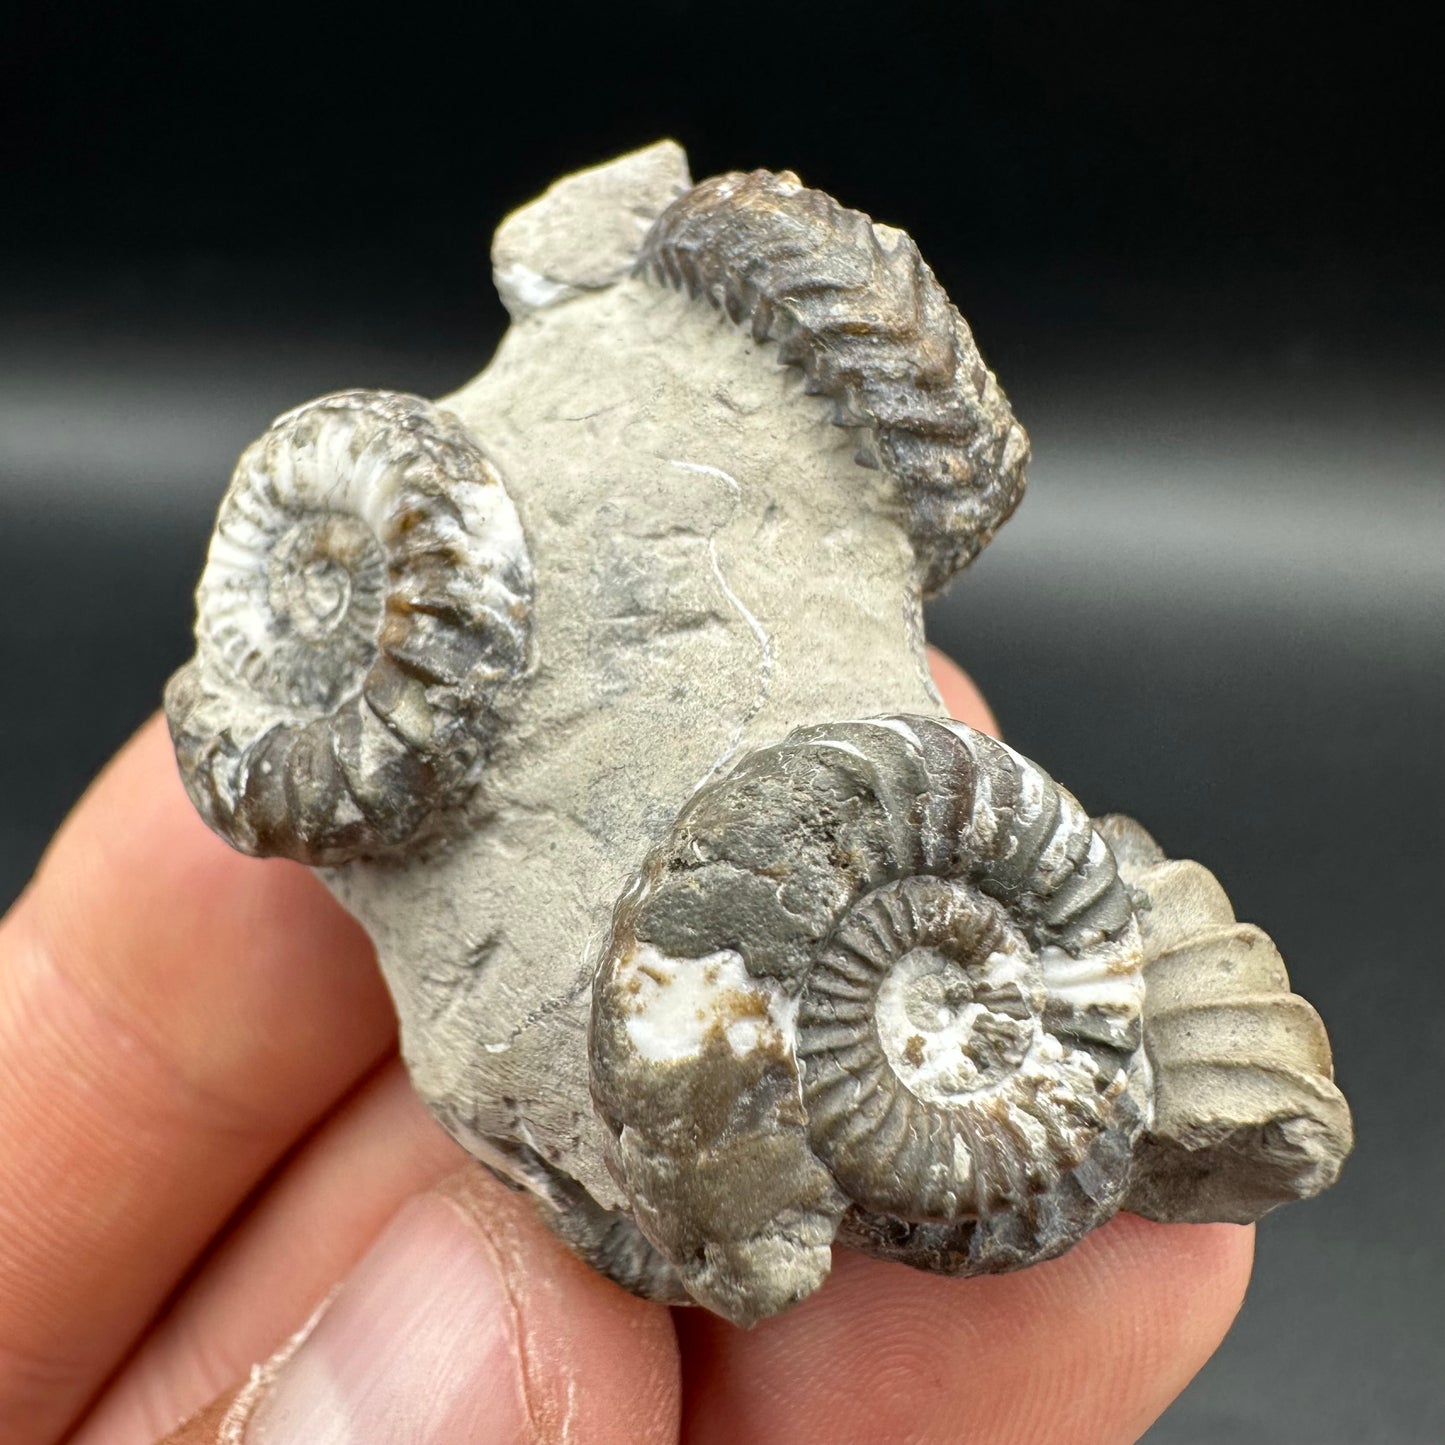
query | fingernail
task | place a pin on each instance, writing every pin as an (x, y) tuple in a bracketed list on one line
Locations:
[(419, 1344)]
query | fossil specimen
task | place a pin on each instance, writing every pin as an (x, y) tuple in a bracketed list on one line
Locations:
[(367, 587), (597, 692)]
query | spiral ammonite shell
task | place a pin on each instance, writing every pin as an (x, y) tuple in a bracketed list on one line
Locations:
[(853, 304), (883, 976), (366, 592), (1246, 1113)]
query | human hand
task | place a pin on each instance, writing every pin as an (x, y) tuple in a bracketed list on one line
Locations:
[(204, 1128)]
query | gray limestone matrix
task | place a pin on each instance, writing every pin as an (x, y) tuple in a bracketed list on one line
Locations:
[(597, 692)]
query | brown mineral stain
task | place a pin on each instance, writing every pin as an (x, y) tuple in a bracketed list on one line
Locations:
[(743, 1004)]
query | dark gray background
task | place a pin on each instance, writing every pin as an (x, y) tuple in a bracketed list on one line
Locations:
[(1196, 247)]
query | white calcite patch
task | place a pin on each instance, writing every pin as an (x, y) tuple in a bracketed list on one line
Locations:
[(680, 1004), (937, 1029), (1104, 986)]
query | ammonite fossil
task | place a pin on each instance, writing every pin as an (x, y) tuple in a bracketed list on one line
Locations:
[(367, 588), (911, 954), (597, 691), (853, 305)]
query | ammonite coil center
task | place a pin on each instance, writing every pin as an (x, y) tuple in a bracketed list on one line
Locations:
[(325, 589), (918, 1026), (949, 1027)]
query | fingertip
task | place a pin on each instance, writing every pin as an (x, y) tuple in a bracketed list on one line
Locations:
[(1215, 1257), (1171, 1293), (960, 694), (1090, 1347), (137, 786), (227, 966)]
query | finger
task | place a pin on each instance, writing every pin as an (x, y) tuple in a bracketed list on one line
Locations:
[(312, 1224), (1089, 1348), (172, 1017), (960, 696), (465, 1322)]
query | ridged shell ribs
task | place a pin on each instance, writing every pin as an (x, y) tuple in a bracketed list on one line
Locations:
[(366, 591), (854, 305), (887, 973)]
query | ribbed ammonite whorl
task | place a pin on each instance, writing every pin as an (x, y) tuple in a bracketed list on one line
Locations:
[(367, 590), (882, 977), (854, 305)]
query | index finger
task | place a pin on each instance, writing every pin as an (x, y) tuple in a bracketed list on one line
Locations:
[(172, 1017), (1088, 1348), (960, 693)]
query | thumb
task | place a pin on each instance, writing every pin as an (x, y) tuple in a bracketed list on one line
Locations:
[(465, 1321)]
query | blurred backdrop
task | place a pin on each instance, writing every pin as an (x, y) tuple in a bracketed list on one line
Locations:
[(1197, 245)]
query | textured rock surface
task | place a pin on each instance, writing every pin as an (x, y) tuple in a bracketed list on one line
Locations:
[(714, 569), (882, 981)]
